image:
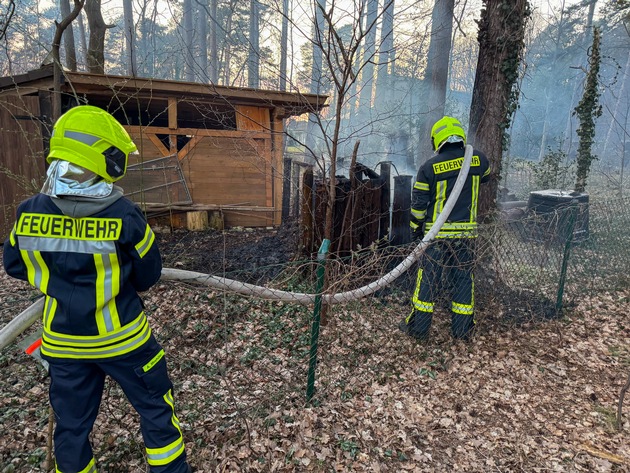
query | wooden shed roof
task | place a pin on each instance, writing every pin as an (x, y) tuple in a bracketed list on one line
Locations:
[(286, 103)]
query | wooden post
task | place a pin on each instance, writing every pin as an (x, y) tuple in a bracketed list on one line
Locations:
[(286, 189), (197, 220), (215, 219), (401, 211), (386, 171), (296, 190), (307, 210), (346, 241), (172, 124)]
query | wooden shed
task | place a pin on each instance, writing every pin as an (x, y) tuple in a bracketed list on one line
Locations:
[(202, 148)]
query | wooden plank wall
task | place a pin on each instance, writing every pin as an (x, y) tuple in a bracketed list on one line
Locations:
[(356, 215), (225, 167), (22, 163), (231, 171)]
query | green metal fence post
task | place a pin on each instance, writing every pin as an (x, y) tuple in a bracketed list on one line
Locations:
[(567, 252), (321, 267)]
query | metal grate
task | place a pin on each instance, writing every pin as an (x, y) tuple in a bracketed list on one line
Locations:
[(158, 181)]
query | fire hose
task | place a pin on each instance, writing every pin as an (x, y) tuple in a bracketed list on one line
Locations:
[(34, 312)]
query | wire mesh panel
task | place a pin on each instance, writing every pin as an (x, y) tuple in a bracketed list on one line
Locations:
[(158, 181)]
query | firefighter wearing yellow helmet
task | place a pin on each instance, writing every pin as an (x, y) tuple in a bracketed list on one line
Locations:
[(452, 251), (90, 251)]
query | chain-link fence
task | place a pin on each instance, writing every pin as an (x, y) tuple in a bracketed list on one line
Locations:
[(241, 364)]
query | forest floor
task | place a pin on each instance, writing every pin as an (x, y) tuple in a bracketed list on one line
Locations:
[(537, 396)]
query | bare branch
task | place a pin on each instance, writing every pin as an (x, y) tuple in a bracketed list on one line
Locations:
[(7, 19)]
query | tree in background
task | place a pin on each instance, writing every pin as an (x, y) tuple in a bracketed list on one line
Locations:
[(588, 110), (56, 44), (253, 58), (130, 38), (188, 33), (495, 97), (98, 28), (68, 37), (6, 18), (436, 73), (369, 50)]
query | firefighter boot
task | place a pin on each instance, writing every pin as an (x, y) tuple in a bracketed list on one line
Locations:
[(462, 326), (416, 325)]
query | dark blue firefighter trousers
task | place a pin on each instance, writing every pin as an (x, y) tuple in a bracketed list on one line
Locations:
[(76, 389)]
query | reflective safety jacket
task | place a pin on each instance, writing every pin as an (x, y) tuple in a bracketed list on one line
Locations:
[(90, 262), (434, 184)]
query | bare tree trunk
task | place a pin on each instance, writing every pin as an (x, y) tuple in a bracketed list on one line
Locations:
[(386, 55), (501, 35), (188, 40), (367, 76), (68, 37), (130, 40), (317, 68), (568, 129), (615, 112), (284, 44), (82, 38), (202, 39), (97, 27), (227, 52), (59, 29), (438, 62), (7, 19), (214, 53), (353, 106), (253, 59)]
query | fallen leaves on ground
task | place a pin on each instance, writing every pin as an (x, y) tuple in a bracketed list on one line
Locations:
[(538, 396)]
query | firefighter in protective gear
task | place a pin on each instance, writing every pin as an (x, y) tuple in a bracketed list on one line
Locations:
[(90, 251), (452, 251)]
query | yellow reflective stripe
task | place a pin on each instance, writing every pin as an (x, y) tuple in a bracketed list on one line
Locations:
[(167, 454), (455, 226), (464, 309), (419, 214), (440, 197), (30, 270), (153, 361), (474, 199), (50, 306), (416, 290), (124, 332), (421, 186), (126, 339), (44, 273), (101, 323), (107, 288), (455, 230), (487, 171), (86, 352), (37, 271), (413, 225), (114, 285), (90, 468), (456, 235), (422, 306), (145, 245), (168, 397), (12, 236)]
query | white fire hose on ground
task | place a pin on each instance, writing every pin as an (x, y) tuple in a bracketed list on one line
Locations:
[(33, 313)]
